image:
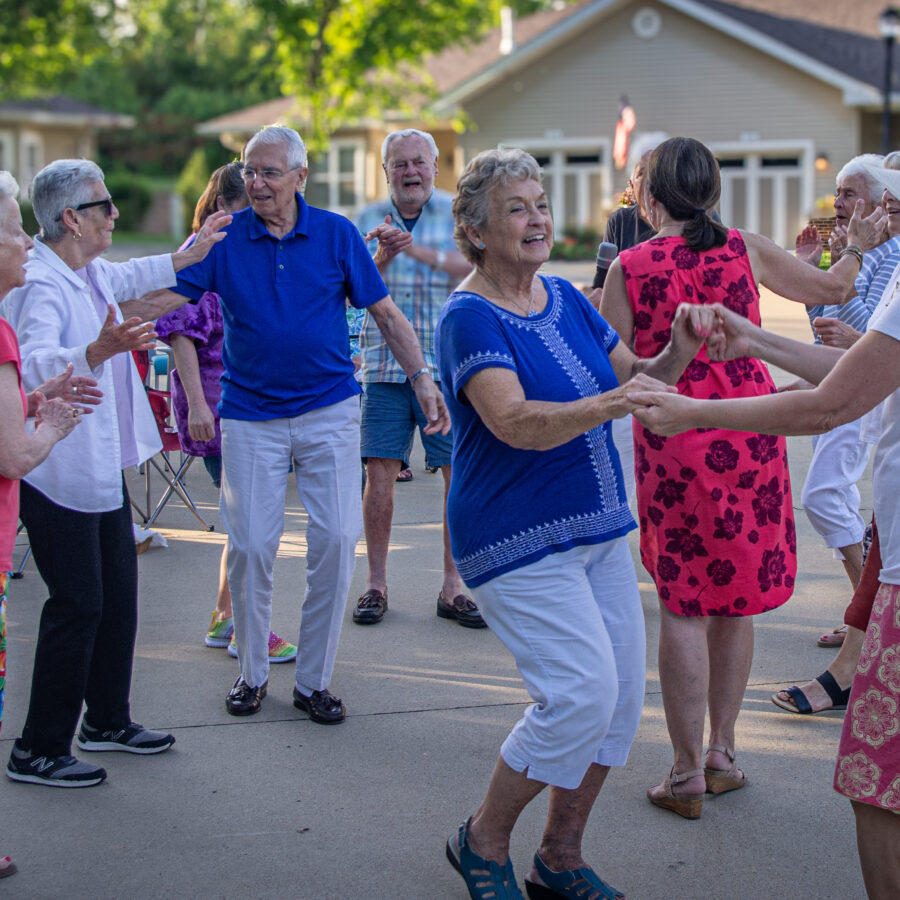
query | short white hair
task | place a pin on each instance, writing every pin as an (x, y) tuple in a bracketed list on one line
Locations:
[(859, 165), (9, 187), (405, 133), (280, 134), (643, 145), (61, 185)]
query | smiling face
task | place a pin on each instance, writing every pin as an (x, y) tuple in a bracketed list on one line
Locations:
[(849, 190), (410, 173), (14, 246), (891, 206), (520, 228), (273, 196)]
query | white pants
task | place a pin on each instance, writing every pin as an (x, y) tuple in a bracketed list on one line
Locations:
[(324, 445), (574, 623), (623, 438), (830, 495)]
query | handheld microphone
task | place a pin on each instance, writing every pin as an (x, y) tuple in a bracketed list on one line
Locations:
[(606, 253)]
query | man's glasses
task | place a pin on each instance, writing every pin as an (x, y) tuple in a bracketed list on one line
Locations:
[(248, 173), (107, 202)]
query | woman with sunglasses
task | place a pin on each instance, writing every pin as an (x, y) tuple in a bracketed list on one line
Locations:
[(72, 310)]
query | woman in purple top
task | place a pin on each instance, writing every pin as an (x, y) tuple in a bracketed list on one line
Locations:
[(195, 333)]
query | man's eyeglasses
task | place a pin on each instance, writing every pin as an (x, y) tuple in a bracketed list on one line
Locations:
[(248, 173), (107, 202)]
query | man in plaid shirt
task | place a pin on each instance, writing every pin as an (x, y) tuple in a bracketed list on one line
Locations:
[(410, 236)]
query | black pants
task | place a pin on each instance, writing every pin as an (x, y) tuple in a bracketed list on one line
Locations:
[(85, 646)]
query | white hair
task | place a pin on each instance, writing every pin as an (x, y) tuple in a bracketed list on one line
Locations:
[(280, 134), (405, 133), (644, 144), (859, 165), (62, 185), (8, 188)]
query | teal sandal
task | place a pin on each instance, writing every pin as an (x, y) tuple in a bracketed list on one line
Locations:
[(580, 884), (485, 880)]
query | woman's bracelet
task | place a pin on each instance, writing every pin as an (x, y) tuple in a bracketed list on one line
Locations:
[(415, 375), (854, 250)]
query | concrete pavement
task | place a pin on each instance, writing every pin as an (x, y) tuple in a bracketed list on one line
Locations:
[(275, 805)]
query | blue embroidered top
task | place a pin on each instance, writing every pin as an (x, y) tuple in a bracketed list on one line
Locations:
[(508, 508)]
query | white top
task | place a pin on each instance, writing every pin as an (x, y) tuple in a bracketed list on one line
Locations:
[(886, 471), (55, 318)]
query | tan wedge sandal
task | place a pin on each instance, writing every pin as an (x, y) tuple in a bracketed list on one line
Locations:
[(689, 806), (720, 781)]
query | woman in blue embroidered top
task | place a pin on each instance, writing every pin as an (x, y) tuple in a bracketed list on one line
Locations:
[(535, 375)]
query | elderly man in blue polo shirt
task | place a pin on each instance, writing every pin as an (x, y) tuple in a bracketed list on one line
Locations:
[(410, 237), (288, 393)]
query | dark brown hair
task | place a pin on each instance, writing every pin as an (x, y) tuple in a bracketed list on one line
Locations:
[(683, 176), (226, 182)]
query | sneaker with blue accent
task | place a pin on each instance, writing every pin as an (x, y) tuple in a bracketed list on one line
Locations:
[(53, 771), (279, 649), (220, 633), (132, 738)]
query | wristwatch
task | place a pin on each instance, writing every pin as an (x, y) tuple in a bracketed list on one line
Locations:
[(439, 261)]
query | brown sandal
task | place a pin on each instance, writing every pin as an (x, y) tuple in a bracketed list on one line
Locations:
[(689, 806), (720, 781)]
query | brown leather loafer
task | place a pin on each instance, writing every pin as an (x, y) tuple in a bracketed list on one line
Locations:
[(371, 607), (322, 706), (463, 609), (243, 700)]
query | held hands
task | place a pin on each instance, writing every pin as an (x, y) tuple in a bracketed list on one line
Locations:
[(867, 231), (432, 402), (624, 399), (693, 324), (74, 389), (391, 241)]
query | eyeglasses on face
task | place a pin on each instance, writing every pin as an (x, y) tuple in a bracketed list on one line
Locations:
[(248, 173), (106, 201)]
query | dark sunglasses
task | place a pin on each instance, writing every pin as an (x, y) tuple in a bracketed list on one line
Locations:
[(107, 202)]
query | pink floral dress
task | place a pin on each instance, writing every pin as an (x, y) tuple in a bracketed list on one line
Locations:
[(868, 763), (717, 526)]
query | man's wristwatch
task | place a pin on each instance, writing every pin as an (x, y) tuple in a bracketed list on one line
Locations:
[(439, 260), (415, 375)]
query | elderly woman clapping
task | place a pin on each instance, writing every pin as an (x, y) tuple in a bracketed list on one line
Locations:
[(534, 377), (21, 450), (75, 504)]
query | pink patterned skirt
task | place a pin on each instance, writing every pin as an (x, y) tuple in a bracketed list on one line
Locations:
[(868, 763)]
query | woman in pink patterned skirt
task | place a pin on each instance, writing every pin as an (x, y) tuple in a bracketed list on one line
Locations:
[(717, 530)]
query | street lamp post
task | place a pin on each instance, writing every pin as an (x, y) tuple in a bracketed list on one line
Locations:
[(889, 26)]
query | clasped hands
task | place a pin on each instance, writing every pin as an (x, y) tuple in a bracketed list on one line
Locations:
[(391, 241), (726, 334)]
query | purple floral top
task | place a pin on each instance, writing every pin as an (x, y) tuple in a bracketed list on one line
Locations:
[(201, 321)]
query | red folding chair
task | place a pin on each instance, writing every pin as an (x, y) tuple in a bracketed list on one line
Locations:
[(161, 404)]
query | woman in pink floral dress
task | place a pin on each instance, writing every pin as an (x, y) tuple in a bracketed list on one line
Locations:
[(717, 529)]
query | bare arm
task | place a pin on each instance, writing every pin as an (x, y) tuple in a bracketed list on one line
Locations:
[(201, 419), (398, 334), (132, 334), (499, 399), (860, 379), (21, 450), (452, 262), (153, 305)]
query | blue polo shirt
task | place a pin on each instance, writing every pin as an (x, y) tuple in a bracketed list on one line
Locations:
[(286, 348)]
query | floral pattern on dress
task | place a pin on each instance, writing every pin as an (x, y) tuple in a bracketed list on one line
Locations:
[(714, 506), (868, 760)]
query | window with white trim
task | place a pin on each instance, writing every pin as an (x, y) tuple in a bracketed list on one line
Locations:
[(336, 179)]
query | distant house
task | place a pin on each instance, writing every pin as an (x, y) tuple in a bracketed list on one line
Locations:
[(35, 132), (783, 93)]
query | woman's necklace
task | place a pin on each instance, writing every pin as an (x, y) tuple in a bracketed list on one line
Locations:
[(531, 311)]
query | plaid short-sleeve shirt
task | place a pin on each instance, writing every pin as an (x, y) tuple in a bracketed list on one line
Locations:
[(418, 290)]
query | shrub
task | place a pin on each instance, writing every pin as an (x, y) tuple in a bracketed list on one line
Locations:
[(132, 196), (576, 244)]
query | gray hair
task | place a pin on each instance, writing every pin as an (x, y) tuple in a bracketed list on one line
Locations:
[(64, 184), (892, 160), (472, 204), (280, 134), (858, 166), (405, 133)]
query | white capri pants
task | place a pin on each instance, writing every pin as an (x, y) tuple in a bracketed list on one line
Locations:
[(324, 445), (574, 623), (830, 495)]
